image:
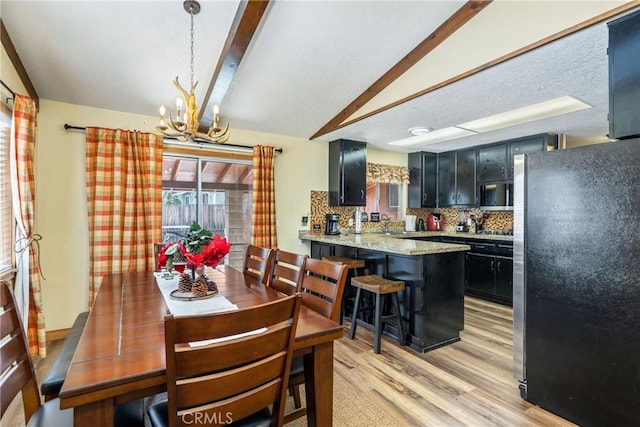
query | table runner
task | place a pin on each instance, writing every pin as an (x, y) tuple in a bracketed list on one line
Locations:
[(168, 283)]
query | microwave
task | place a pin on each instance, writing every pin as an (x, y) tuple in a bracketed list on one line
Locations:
[(498, 196)]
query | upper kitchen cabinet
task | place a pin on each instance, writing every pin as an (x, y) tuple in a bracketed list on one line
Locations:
[(457, 178), (347, 173), (531, 144), (624, 77), (423, 175), (492, 163)]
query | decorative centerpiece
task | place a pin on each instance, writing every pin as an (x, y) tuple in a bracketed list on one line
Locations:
[(199, 248)]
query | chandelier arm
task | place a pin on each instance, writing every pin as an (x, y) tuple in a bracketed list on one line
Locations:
[(185, 127)]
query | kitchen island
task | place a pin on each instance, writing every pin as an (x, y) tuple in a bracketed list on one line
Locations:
[(432, 303)]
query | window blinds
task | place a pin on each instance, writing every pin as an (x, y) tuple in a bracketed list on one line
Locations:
[(6, 215)]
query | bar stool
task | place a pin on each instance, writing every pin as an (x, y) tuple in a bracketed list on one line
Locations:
[(378, 286), (353, 266)]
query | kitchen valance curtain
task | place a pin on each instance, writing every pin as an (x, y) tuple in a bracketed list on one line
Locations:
[(124, 199), (390, 174)]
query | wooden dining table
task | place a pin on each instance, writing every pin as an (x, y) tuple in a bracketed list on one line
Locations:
[(121, 353)]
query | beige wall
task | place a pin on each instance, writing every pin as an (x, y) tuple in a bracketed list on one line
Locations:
[(61, 214), (8, 74)]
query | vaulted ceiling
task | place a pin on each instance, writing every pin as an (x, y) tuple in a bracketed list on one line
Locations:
[(363, 70)]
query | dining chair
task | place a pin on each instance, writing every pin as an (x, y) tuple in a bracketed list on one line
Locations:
[(228, 367), (257, 263), (17, 373), (286, 272), (322, 287)]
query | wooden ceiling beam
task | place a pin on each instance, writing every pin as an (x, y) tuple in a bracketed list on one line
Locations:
[(244, 26), (450, 26)]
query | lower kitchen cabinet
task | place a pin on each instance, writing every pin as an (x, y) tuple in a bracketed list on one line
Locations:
[(489, 277)]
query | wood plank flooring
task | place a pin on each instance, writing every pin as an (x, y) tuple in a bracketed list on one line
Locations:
[(469, 383)]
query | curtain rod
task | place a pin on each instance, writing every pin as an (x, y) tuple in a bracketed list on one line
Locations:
[(67, 126), (8, 88)]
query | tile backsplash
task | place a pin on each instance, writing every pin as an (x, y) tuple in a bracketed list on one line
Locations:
[(319, 207)]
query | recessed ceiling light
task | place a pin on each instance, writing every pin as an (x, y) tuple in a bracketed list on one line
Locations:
[(530, 113), (439, 135), (420, 130)]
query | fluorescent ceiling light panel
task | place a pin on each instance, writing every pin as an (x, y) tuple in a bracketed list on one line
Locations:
[(433, 137), (530, 113)]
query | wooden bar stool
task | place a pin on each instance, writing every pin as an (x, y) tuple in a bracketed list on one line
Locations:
[(353, 266), (380, 287)]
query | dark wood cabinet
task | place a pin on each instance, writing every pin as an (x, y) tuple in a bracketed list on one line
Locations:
[(457, 178), (530, 144), (493, 163), (624, 77), (423, 175), (347, 173), (488, 267)]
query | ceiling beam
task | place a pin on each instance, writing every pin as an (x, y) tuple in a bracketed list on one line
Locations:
[(17, 64), (244, 26), (450, 26)]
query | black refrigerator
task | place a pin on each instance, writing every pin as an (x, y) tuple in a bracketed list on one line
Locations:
[(577, 282)]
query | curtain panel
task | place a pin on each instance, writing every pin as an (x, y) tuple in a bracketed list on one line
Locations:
[(28, 286), (263, 222), (124, 199), (390, 174)]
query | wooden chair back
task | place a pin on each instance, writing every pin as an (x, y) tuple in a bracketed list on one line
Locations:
[(257, 263), (322, 286), (15, 355), (237, 376), (286, 272)]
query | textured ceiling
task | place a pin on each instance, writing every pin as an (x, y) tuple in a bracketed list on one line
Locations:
[(310, 59)]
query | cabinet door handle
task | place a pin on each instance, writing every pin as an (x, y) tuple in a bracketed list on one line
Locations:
[(502, 170), (492, 264), (425, 197), (361, 194), (498, 266)]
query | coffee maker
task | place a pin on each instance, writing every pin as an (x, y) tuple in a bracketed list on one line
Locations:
[(331, 226)]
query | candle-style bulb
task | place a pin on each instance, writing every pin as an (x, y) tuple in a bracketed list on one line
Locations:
[(162, 110), (216, 110), (179, 102)]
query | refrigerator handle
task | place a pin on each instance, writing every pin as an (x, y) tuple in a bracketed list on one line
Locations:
[(519, 279)]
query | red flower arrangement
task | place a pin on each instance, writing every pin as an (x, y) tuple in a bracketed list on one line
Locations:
[(199, 248)]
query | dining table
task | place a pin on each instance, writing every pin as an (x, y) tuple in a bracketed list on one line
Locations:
[(121, 354)]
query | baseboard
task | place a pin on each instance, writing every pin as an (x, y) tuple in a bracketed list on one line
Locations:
[(58, 334)]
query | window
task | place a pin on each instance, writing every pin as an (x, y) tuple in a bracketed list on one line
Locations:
[(217, 193), (385, 199), (6, 215)]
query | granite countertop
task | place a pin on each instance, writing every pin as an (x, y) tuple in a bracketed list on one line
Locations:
[(396, 244), (459, 235)]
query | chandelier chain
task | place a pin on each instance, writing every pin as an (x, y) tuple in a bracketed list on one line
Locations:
[(191, 14)]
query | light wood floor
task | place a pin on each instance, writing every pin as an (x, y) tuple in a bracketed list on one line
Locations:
[(468, 383)]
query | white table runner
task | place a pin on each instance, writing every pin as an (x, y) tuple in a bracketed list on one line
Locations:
[(169, 283)]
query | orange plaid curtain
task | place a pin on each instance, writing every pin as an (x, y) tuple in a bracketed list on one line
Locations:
[(264, 200), (124, 198), (23, 145)]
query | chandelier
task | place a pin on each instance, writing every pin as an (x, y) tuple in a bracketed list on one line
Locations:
[(184, 126)]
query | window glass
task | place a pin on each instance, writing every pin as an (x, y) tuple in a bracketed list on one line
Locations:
[(6, 215), (215, 193), (385, 199)]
